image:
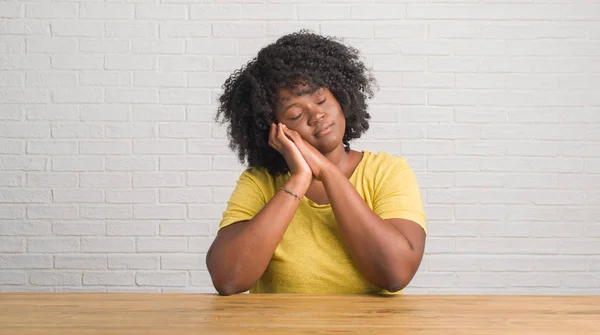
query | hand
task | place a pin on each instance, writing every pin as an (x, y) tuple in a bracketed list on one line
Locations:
[(317, 162), (290, 152)]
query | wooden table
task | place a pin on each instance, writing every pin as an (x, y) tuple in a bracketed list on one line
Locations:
[(101, 313)]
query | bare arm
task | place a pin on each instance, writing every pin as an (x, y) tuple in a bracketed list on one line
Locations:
[(387, 252), (241, 252)]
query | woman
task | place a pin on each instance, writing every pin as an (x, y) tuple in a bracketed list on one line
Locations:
[(310, 215)]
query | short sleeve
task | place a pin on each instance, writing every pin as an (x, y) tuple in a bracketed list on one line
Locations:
[(397, 194), (246, 200)]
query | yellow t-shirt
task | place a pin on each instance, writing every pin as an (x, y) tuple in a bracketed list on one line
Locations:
[(311, 258)]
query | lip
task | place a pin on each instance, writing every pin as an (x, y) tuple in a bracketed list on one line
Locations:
[(326, 128)]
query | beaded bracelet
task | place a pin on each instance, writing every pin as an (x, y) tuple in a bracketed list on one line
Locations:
[(289, 192)]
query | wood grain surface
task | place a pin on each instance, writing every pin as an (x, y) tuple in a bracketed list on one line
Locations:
[(102, 313)]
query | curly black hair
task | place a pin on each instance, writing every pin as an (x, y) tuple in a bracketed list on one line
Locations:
[(249, 94)]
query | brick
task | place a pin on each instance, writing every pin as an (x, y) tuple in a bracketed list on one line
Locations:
[(187, 195), (212, 178), (10, 179), (483, 280), (347, 30), (559, 30), (453, 164), (507, 245), (58, 147), (126, 196), (131, 130), (549, 230), (50, 179), (22, 163), (105, 179), (12, 147), (161, 12), (184, 29), (77, 28), (578, 182), (433, 279), (276, 29), (221, 194), (55, 278), (130, 62), (131, 29), (161, 244), (109, 278), (51, 11), (377, 11), (186, 163), (583, 12), (53, 245), (106, 211), (227, 163), (540, 149), (484, 11), (239, 30), (187, 130), (11, 79), (426, 114), (216, 12), (132, 228), (131, 95), (24, 228), (404, 131), (51, 79), (199, 114), (586, 281), (485, 81), (160, 79), (78, 228), (399, 63), (456, 196), (183, 262), (202, 278), (429, 80), (320, 12), (559, 198), (79, 62), (133, 262), (132, 163), (23, 261), (503, 229), (184, 229), (52, 211), (447, 131), (104, 112), (109, 147), (12, 195), (13, 278), (107, 244), (208, 147), (166, 147), (509, 31), (133, 289), (268, 12), (15, 96), (17, 26), (78, 163), (24, 62), (158, 179), (105, 78), (206, 211), (99, 45), (154, 212), (158, 113), (161, 278), (77, 95), (12, 244), (532, 48), (51, 45), (529, 180), (199, 244), (184, 96), (106, 11)]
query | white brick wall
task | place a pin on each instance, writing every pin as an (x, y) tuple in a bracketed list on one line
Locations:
[(113, 175)]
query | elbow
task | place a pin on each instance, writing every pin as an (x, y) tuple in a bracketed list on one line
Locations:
[(225, 289), (394, 286)]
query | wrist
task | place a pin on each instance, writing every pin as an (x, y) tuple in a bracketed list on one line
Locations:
[(299, 184), (328, 171)]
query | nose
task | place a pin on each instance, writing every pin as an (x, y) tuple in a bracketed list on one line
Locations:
[(315, 116)]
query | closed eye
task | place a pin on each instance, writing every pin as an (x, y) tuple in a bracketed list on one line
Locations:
[(296, 117), (321, 102)]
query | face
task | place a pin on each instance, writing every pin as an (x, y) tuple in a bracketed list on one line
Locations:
[(316, 116)]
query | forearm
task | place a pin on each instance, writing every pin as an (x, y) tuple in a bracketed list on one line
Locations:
[(377, 247), (238, 258)]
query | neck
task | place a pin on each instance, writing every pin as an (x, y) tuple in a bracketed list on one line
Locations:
[(339, 156)]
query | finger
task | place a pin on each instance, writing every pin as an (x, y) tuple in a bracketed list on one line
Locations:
[(293, 135)]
